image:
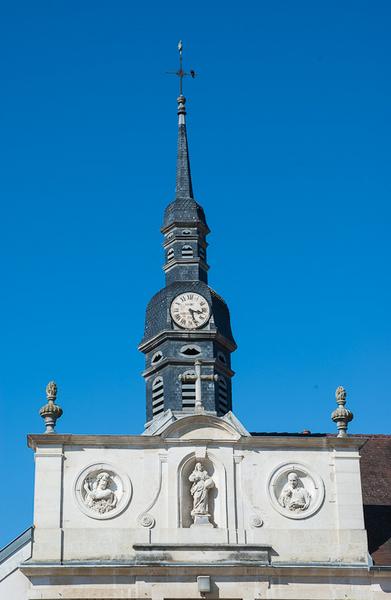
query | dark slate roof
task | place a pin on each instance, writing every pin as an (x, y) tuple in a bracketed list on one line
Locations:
[(184, 211), (184, 186), (158, 317), (376, 488)]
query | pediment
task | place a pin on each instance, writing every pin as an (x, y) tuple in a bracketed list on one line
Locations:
[(203, 427)]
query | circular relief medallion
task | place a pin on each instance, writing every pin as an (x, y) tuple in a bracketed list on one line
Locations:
[(295, 491), (190, 310), (101, 491)]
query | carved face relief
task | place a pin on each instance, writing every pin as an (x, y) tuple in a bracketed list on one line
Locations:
[(295, 492), (101, 492)]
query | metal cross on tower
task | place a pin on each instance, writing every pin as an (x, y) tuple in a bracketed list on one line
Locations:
[(181, 73), (197, 378)]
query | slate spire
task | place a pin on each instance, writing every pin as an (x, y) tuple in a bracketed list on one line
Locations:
[(184, 187), (187, 360)]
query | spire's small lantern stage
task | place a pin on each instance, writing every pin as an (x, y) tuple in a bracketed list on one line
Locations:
[(341, 415), (50, 412)]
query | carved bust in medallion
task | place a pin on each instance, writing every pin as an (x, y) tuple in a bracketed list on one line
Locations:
[(295, 491), (102, 492), (99, 495), (294, 496)]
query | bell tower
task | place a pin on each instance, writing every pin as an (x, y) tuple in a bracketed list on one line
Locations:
[(187, 325)]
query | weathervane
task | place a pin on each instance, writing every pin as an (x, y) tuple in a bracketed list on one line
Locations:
[(181, 73)]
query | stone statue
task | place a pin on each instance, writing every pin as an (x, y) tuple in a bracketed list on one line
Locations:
[(294, 496), (202, 483), (99, 496)]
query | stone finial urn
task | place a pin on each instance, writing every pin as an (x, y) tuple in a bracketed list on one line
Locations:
[(50, 412), (341, 415)]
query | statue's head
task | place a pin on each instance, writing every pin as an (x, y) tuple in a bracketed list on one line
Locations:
[(198, 466), (103, 480), (293, 479)]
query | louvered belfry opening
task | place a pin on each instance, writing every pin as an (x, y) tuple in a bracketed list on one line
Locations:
[(157, 396), (188, 392), (223, 394), (187, 251), (170, 254)]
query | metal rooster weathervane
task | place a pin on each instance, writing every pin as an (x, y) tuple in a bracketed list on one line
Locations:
[(181, 73)]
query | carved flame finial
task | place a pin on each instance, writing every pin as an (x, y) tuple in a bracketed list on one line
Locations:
[(50, 412), (340, 395), (51, 391), (341, 415)]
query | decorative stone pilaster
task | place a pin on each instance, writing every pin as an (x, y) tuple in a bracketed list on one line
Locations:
[(50, 412), (341, 415)]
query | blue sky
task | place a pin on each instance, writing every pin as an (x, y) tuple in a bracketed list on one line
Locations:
[(289, 133)]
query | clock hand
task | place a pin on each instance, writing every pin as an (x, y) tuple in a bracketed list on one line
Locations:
[(192, 311)]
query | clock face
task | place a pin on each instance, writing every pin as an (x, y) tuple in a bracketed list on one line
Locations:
[(190, 310)]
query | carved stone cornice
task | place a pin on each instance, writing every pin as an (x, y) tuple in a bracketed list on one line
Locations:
[(187, 336), (155, 441), (241, 569), (188, 361)]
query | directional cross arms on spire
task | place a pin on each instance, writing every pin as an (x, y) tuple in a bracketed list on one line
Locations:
[(181, 73)]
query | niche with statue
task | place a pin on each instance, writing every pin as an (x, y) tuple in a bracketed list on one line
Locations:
[(201, 493)]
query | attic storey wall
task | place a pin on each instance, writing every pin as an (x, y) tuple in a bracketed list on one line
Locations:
[(242, 468)]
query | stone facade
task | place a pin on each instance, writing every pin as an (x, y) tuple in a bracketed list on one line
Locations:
[(135, 517)]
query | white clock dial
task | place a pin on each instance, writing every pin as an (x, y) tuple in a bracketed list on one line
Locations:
[(190, 310)]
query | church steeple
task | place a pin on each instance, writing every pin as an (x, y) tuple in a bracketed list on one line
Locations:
[(186, 322)]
